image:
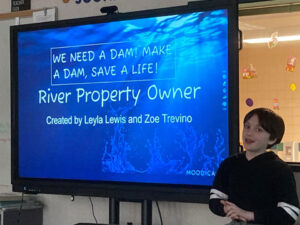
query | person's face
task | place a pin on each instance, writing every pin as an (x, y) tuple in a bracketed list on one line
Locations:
[(255, 138)]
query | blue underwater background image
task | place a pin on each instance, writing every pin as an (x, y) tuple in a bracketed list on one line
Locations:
[(151, 94)]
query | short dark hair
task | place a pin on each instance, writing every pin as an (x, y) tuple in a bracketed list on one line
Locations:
[(270, 121)]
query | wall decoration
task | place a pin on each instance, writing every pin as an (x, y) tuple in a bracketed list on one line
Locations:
[(291, 64), (249, 72), (275, 103), (273, 41), (88, 1), (293, 87), (19, 5), (249, 102)]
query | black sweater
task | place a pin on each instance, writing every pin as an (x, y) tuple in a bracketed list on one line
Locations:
[(264, 185)]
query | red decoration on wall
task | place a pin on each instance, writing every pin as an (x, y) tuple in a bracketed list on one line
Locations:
[(291, 64), (275, 103), (249, 73)]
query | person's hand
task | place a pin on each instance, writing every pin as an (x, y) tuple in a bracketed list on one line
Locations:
[(234, 212)]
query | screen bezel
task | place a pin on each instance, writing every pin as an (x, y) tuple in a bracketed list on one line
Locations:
[(124, 190)]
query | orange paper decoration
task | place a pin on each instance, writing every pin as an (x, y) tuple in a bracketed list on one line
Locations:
[(274, 40), (291, 63)]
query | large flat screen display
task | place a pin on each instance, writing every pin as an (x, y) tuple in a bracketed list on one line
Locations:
[(122, 100)]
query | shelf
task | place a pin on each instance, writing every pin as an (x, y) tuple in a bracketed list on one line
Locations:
[(12, 15)]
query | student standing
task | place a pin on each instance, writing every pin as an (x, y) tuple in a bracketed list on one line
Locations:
[(256, 186)]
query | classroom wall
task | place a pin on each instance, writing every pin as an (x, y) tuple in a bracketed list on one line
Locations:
[(271, 88), (59, 209)]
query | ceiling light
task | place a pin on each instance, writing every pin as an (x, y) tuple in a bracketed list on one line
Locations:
[(266, 40)]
